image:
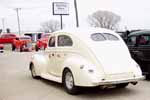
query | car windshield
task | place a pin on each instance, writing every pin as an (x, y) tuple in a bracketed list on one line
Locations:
[(8, 36), (25, 38), (45, 35)]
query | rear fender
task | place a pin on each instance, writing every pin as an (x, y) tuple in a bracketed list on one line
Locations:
[(78, 66)]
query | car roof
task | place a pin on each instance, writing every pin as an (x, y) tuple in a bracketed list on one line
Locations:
[(10, 34), (140, 32), (46, 34), (32, 32), (23, 36), (84, 32)]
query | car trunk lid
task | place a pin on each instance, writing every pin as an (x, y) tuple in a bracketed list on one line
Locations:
[(113, 56)]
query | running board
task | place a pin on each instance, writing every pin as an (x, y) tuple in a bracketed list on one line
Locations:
[(51, 77)]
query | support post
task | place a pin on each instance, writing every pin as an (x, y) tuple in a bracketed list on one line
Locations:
[(17, 11), (3, 24), (76, 12), (61, 24)]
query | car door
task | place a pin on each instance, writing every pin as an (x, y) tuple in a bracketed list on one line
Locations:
[(132, 45), (144, 48), (4, 38), (50, 52), (64, 46), (144, 53)]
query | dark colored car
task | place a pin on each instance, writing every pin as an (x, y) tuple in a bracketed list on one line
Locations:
[(139, 45)]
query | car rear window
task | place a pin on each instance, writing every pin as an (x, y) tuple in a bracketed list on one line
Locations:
[(97, 37), (103, 37), (110, 37)]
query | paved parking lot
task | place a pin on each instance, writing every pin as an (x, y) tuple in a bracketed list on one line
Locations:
[(16, 83)]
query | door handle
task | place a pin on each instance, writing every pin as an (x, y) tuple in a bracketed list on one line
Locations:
[(136, 51), (51, 55)]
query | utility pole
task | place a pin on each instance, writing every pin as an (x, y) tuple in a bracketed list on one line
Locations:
[(3, 24), (17, 11), (76, 12), (61, 24)]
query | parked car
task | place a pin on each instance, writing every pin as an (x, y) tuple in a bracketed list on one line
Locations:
[(139, 46), (7, 38), (34, 35), (1, 48), (42, 42), (22, 43), (86, 58)]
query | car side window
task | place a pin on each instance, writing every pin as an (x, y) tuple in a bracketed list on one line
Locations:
[(64, 40), (52, 41), (144, 40), (131, 40), (11, 36)]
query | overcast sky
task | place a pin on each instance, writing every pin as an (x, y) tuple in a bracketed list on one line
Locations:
[(135, 14)]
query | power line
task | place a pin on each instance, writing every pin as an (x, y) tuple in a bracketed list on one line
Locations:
[(28, 8)]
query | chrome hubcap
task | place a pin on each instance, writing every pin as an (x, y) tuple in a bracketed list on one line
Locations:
[(69, 80)]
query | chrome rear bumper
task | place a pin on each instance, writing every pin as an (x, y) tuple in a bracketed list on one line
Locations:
[(118, 81)]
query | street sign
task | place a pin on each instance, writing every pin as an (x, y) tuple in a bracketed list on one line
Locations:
[(60, 8)]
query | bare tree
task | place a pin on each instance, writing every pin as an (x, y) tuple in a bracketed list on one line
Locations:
[(50, 26), (104, 19)]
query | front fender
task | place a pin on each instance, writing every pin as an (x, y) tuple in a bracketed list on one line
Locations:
[(40, 63)]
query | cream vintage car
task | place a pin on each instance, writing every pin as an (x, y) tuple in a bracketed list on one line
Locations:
[(86, 58)]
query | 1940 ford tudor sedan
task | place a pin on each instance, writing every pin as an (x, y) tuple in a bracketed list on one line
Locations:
[(86, 58)]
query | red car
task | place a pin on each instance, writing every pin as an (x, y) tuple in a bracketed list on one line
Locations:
[(42, 42), (22, 43), (1, 48), (7, 38)]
